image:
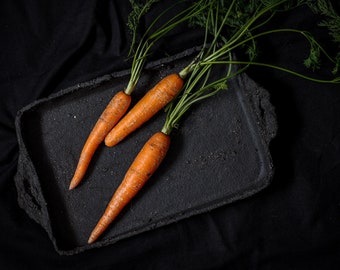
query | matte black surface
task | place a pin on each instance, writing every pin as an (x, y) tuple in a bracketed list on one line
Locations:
[(46, 46), (219, 154)]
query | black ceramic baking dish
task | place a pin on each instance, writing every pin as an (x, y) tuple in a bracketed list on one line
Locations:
[(218, 155)]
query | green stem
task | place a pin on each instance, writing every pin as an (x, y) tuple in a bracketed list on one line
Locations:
[(198, 86), (335, 80), (148, 40), (239, 34)]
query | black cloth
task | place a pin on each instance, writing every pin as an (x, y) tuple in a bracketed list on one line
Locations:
[(293, 224)]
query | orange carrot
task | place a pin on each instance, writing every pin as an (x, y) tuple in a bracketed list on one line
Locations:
[(142, 168), (110, 116), (153, 101)]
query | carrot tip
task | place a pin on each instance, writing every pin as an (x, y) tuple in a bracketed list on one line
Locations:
[(72, 185), (91, 240)]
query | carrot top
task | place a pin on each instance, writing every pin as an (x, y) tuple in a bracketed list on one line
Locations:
[(151, 35), (233, 26), (230, 26)]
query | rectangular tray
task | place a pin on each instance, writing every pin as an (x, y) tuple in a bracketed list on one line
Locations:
[(219, 154)]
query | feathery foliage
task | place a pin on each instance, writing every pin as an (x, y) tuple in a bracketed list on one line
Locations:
[(236, 24)]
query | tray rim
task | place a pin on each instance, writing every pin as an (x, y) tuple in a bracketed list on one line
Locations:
[(95, 83)]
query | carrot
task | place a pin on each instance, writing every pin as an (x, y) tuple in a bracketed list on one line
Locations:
[(153, 101), (141, 169), (140, 52), (154, 151), (110, 116)]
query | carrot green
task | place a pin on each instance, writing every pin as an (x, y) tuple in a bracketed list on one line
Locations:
[(233, 27)]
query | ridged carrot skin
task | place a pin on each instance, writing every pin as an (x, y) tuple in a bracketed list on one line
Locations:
[(145, 164), (110, 116), (153, 101)]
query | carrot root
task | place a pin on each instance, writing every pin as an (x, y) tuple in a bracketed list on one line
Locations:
[(145, 164), (153, 101), (110, 116)]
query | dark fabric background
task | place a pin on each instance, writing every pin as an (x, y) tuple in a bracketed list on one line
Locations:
[(293, 224)]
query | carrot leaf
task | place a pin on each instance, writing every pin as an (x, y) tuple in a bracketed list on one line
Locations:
[(233, 26), (139, 9)]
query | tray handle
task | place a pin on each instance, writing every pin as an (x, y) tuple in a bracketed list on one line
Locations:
[(261, 106), (28, 194)]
